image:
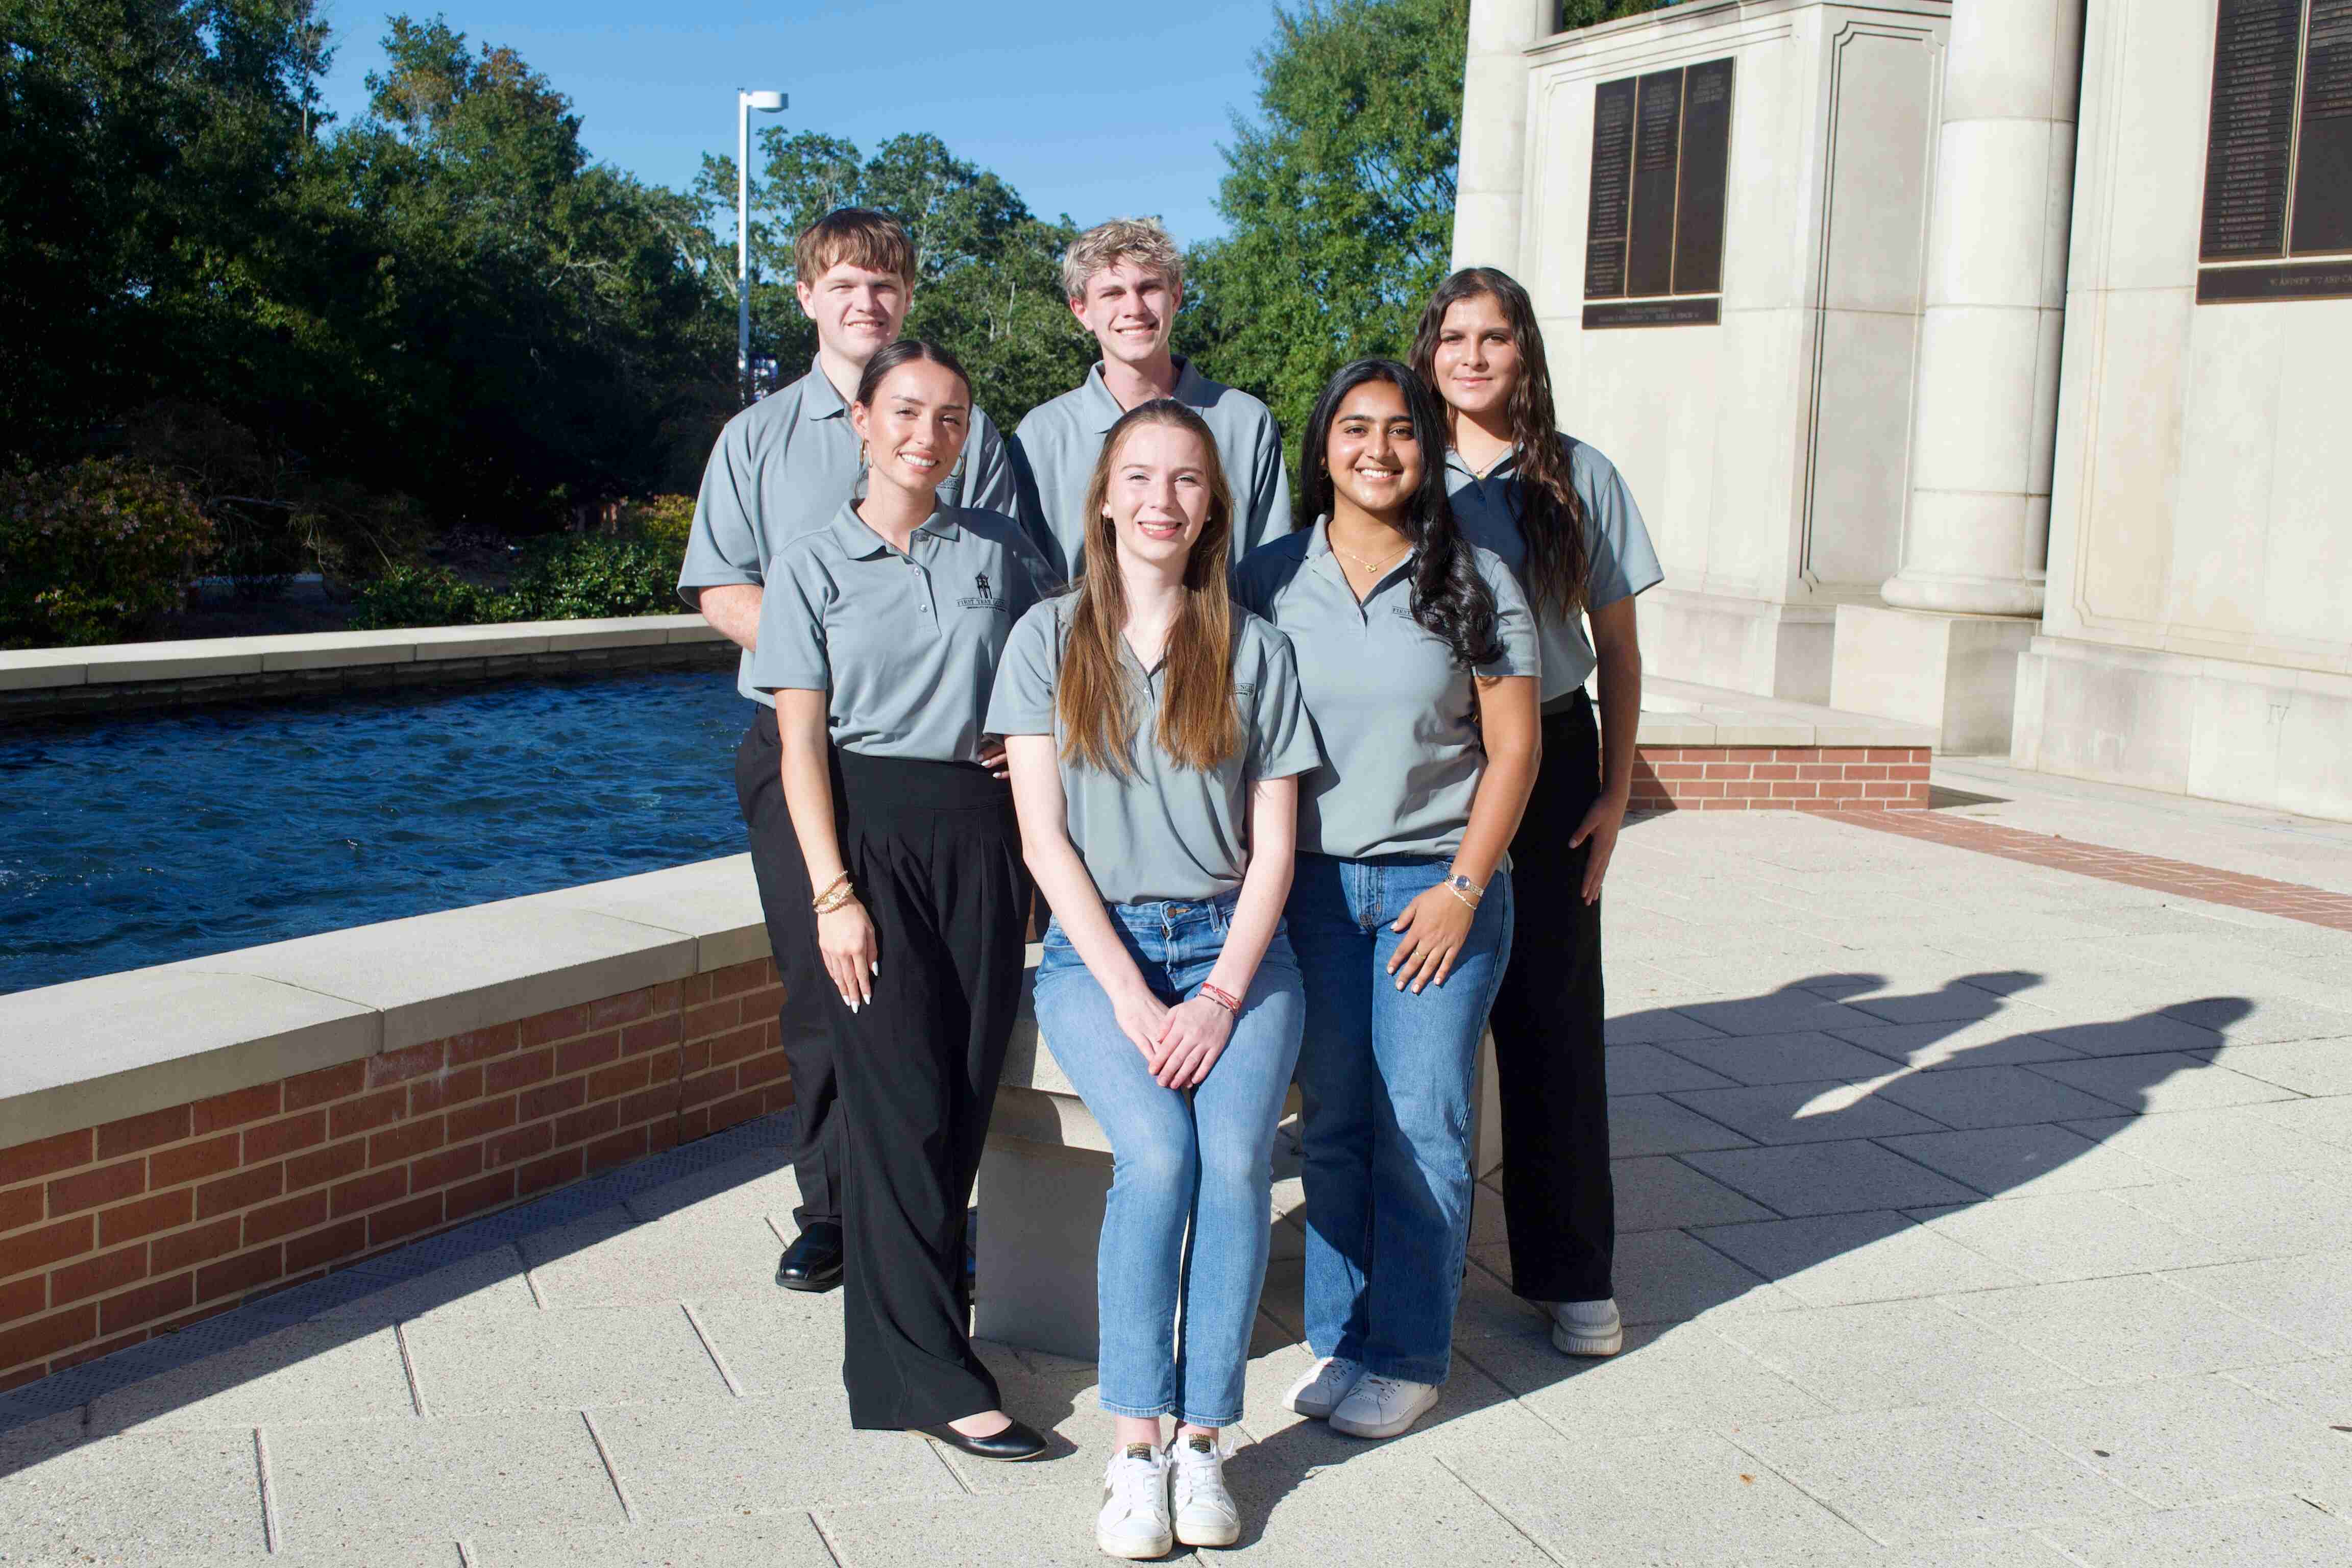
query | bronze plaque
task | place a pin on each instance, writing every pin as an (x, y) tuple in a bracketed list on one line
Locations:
[(1612, 189), (1705, 175), (2323, 158), (2293, 280), (1654, 314), (2250, 140), (1658, 146)]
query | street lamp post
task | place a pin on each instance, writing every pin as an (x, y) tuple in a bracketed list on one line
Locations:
[(766, 103)]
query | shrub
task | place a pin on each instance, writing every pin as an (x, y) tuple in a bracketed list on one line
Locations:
[(92, 552), (421, 596), (664, 521), (580, 577)]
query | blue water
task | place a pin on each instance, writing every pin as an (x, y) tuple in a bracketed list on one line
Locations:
[(154, 837)]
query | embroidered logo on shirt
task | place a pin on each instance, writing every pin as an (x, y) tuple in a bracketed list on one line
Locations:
[(983, 598)]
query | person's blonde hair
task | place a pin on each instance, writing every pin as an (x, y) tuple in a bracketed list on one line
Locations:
[(1140, 241), (859, 235), (1199, 726)]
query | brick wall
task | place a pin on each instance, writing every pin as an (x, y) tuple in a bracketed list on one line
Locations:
[(1780, 778), (110, 1235)]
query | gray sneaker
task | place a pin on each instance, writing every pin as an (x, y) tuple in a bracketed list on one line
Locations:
[(1587, 1328)]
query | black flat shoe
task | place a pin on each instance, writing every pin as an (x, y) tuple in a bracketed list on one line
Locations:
[(1019, 1440), (812, 1262)]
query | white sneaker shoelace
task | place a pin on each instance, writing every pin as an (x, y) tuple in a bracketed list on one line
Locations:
[(1319, 1392), (1203, 1510), (1134, 1517)]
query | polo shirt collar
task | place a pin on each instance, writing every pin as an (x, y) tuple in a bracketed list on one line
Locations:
[(860, 543), (1503, 465), (1103, 410), (821, 401)]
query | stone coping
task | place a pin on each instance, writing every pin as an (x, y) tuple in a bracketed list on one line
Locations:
[(116, 663), (97, 1050), (1684, 713)]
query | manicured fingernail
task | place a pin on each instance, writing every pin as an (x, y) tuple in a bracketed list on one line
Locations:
[(875, 965)]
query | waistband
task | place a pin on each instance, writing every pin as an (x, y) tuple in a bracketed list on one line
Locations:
[(920, 783), (1572, 704), (1217, 911)]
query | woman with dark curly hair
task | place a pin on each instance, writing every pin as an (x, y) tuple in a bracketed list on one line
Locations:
[(1559, 515), (1418, 663)]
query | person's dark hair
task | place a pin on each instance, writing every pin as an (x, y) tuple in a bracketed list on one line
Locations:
[(906, 350), (1450, 600), (1551, 517)]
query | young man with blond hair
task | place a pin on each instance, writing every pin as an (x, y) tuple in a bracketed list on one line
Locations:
[(1125, 281), (781, 468)]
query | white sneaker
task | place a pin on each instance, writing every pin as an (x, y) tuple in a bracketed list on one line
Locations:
[(1326, 1384), (1382, 1406), (1587, 1328), (1133, 1522), (1205, 1514)]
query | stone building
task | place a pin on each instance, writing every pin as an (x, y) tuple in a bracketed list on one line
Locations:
[(1986, 365)]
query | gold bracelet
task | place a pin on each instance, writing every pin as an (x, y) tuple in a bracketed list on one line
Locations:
[(836, 899), (1468, 902), (826, 891)]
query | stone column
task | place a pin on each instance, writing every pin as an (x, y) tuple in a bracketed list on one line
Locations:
[(1494, 129), (1976, 539)]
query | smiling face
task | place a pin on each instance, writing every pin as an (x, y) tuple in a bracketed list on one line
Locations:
[(914, 429), (1130, 309), (1159, 495), (856, 309), (1477, 360), (1375, 461)]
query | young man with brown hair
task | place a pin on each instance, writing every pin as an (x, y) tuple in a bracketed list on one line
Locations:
[(1125, 282), (781, 468)]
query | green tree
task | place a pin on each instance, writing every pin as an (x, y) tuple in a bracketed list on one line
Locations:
[(1339, 197), (1576, 14), (988, 271)]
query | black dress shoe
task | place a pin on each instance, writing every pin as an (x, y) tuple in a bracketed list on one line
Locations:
[(812, 1262), (1019, 1440)]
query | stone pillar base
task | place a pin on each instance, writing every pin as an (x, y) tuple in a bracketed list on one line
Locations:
[(2261, 735), (1956, 673), (1761, 646)]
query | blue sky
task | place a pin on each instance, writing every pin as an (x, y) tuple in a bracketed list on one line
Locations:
[(1091, 110)]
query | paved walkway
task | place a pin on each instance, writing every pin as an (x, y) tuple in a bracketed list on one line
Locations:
[(1977, 1212)]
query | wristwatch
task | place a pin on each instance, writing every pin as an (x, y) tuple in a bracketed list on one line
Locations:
[(1469, 891)]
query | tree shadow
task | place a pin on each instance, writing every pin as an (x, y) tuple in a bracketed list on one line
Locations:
[(1759, 1108)]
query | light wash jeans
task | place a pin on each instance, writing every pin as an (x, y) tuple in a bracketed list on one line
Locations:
[(1201, 1160), (1386, 1078)]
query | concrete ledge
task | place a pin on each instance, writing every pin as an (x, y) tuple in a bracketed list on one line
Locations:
[(43, 682), (123, 1045), (1684, 713)]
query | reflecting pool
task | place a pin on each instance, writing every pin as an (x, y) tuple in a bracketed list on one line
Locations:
[(160, 835)]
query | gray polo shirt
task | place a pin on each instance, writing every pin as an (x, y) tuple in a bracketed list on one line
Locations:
[(905, 646), (1055, 448), (1164, 831), (1396, 717), (1615, 541), (782, 467)]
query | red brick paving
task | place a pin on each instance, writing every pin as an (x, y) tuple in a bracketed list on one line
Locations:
[(2315, 906)]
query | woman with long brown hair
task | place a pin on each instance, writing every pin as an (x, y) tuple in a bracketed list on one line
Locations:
[(1559, 515), (880, 636), (1155, 735)]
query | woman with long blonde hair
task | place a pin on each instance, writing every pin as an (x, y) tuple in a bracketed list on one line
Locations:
[(1155, 735)]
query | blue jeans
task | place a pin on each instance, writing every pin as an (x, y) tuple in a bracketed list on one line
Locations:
[(1201, 1158), (1386, 1077)]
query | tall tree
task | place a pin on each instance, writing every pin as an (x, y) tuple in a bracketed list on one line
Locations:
[(988, 271), (1339, 197)]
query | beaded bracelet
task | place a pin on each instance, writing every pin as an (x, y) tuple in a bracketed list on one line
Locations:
[(1222, 998)]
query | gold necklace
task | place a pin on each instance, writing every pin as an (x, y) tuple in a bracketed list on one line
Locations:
[(1371, 565)]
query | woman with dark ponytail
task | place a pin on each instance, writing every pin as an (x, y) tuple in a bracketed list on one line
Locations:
[(1559, 515), (1418, 663)]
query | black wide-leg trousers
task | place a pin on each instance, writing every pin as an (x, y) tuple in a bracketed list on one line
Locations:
[(937, 857), (1559, 1204), (802, 1025)]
